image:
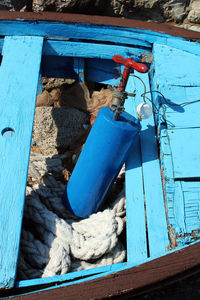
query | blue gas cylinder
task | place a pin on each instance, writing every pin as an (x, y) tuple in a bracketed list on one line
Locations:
[(100, 161)]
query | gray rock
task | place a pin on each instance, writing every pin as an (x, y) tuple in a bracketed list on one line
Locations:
[(76, 6), (175, 10), (56, 127), (17, 5), (190, 27), (194, 14)]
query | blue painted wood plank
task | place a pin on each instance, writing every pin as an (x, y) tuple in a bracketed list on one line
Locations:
[(155, 208), (91, 50), (19, 75), (179, 210), (79, 68), (81, 31), (120, 268), (188, 46), (136, 37), (180, 69), (70, 276), (186, 143), (185, 115), (39, 88), (115, 268), (179, 83), (135, 211), (102, 71), (186, 210)]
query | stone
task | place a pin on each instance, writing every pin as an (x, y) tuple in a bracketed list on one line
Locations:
[(194, 14), (17, 5), (76, 6), (56, 128), (175, 10)]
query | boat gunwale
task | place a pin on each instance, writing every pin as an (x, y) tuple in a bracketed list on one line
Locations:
[(132, 281), (100, 20)]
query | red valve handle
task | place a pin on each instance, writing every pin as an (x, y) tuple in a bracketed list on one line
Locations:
[(130, 63)]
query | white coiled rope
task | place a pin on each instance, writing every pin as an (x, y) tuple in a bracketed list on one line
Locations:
[(55, 242)]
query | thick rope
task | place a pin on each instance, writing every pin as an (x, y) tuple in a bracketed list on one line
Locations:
[(55, 242), (117, 255)]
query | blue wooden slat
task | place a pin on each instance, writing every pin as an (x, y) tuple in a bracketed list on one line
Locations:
[(81, 31), (90, 50), (95, 69), (79, 68), (179, 211), (135, 212), (184, 116), (184, 145), (119, 267), (102, 71), (184, 214), (179, 82), (176, 67), (130, 36), (71, 276), (188, 46), (19, 75), (155, 209)]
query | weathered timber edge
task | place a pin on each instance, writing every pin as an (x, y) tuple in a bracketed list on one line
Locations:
[(100, 20), (130, 281)]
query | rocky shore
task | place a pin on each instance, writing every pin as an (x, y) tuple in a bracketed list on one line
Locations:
[(186, 12)]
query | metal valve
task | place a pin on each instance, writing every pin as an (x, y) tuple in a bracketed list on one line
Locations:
[(119, 95)]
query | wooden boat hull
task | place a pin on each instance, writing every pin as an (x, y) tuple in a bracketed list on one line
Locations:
[(129, 278)]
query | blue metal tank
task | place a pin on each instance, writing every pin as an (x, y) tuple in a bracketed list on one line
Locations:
[(101, 159)]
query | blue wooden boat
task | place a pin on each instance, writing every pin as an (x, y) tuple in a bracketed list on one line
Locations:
[(162, 171)]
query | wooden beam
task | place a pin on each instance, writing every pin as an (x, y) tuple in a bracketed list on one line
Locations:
[(19, 75)]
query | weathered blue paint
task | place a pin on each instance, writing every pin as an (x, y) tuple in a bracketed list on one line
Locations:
[(79, 68), (117, 269), (188, 46), (179, 211), (173, 76), (179, 82), (18, 84), (135, 212), (186, 143), (180, 111), (103, 71), (167, 73), (136, 37), (80, 31), (90, 50), (70, 276), (100, 161), (154, 200)]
